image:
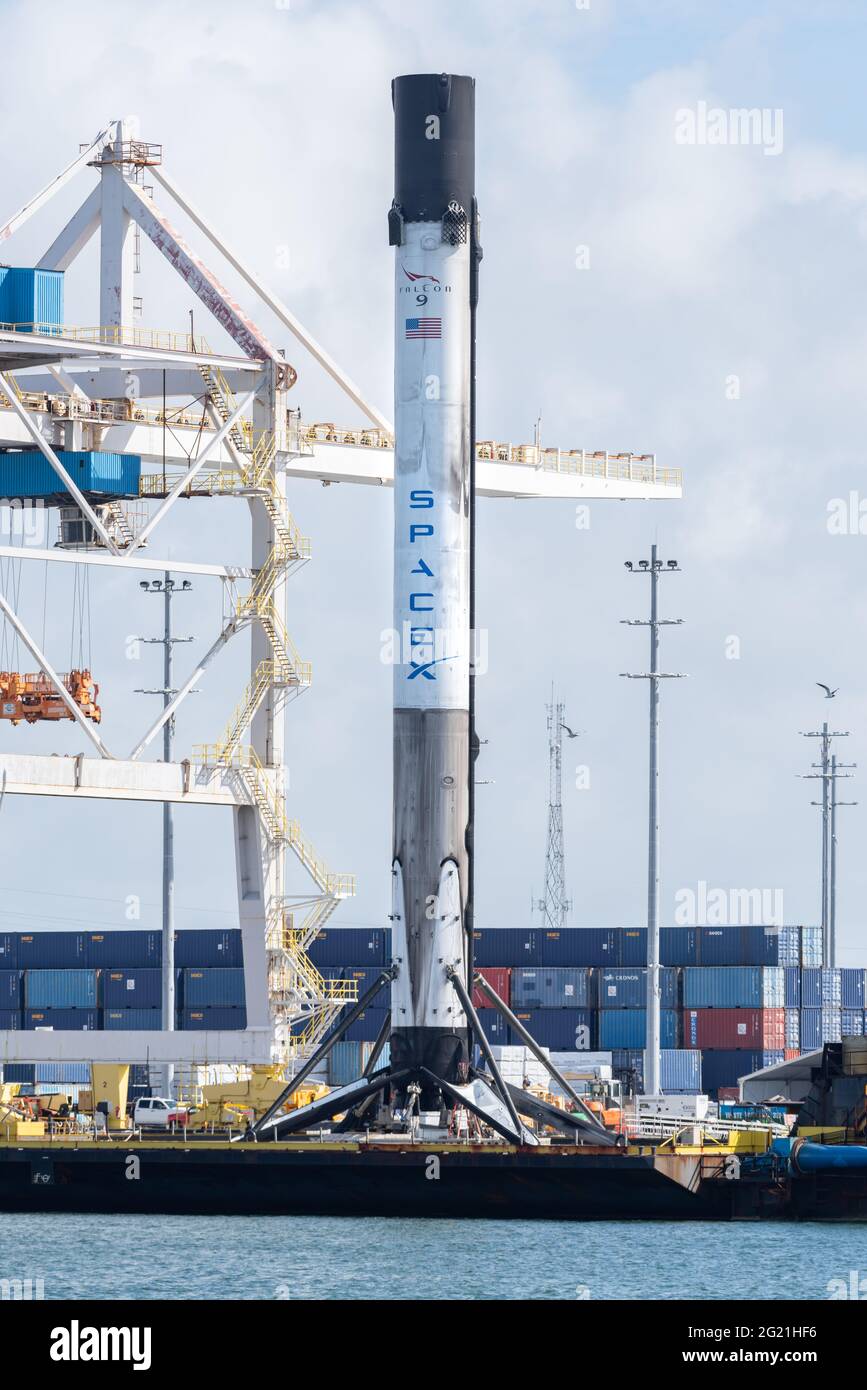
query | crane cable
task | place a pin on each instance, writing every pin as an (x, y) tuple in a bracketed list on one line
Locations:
[(81, 627), (10, 643)]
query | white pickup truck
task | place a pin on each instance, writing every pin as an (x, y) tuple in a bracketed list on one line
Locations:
[(155, 1112)]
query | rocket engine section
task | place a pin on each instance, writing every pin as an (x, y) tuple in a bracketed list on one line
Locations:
[(432, 226)]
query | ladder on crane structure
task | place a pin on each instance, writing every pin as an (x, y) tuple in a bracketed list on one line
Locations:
[(296, 985), (296, 988)]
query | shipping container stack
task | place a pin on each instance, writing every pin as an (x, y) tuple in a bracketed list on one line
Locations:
[(112, 980), (734, 999)]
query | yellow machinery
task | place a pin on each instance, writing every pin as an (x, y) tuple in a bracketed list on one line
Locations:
[(230, 1104), (16, 1115), (694, 1139), (110, 1083)]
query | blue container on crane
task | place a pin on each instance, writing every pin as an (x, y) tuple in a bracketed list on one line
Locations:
[(31, 299), (27, 473)]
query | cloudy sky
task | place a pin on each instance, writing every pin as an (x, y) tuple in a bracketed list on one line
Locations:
[(717, 318)]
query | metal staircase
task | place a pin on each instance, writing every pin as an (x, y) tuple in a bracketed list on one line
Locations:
[(300, 997), (312, 1002)]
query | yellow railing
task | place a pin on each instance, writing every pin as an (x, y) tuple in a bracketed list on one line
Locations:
[(261, 789), (599, 463), (267, 674), (261, 605), (216, 755), (623, 467), (115, 335), (224, 399), (335, 434)]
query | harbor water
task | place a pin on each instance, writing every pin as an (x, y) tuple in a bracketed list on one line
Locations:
[(286, 1258)]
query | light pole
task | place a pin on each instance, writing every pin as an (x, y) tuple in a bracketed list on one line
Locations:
[(167, 588), (832, 903), (827, 771), (653, 1037)]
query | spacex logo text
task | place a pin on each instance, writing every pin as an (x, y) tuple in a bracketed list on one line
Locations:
[(421, 600), (77, 1343)]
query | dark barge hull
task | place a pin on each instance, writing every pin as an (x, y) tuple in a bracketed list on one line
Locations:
[(313, 1179)]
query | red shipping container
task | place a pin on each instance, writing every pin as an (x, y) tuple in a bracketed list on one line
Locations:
[(760, 1029), (790, 1053), (498, 977), (728, 1093)]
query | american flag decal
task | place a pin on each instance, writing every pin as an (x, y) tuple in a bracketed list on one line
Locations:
[(424, 328)]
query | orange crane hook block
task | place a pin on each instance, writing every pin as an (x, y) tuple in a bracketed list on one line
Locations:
[(33, 697)]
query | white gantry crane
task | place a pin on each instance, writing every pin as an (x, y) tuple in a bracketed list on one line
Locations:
[(230, 431)]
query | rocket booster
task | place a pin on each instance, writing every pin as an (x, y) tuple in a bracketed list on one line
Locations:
[(432, 226)]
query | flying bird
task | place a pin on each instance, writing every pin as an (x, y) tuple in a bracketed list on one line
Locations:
[(573, 733), (829, 693)]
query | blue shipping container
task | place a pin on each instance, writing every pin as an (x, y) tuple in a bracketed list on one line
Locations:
[(20, 1073), (821, 989), (131, 1020), (789, 952), (347, 1060), (51, 950), (811, 946), (575, 946), (206, 947), (60, 989), (627, 989), (852, 1023), (793, 987), (852, 990), (508, 946), (562, 1030), (8, 950), (724, 1068), (63, 1020), (10, 1020), (632, 946), (734, 987), (793, 1028), (133, 989), (365, 1028), (678, 945), (721, 946), (214, 989), (62, 1073), (495, 1027), (218, 1020), (10, 989), (29, 474), (831, 1025), (628, 1028), (337, 945), (113, 950), (811, 1029), (679, 1069), (31, 298), (557, 987)]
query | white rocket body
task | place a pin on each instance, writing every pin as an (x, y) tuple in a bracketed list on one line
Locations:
[(432, 518)]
